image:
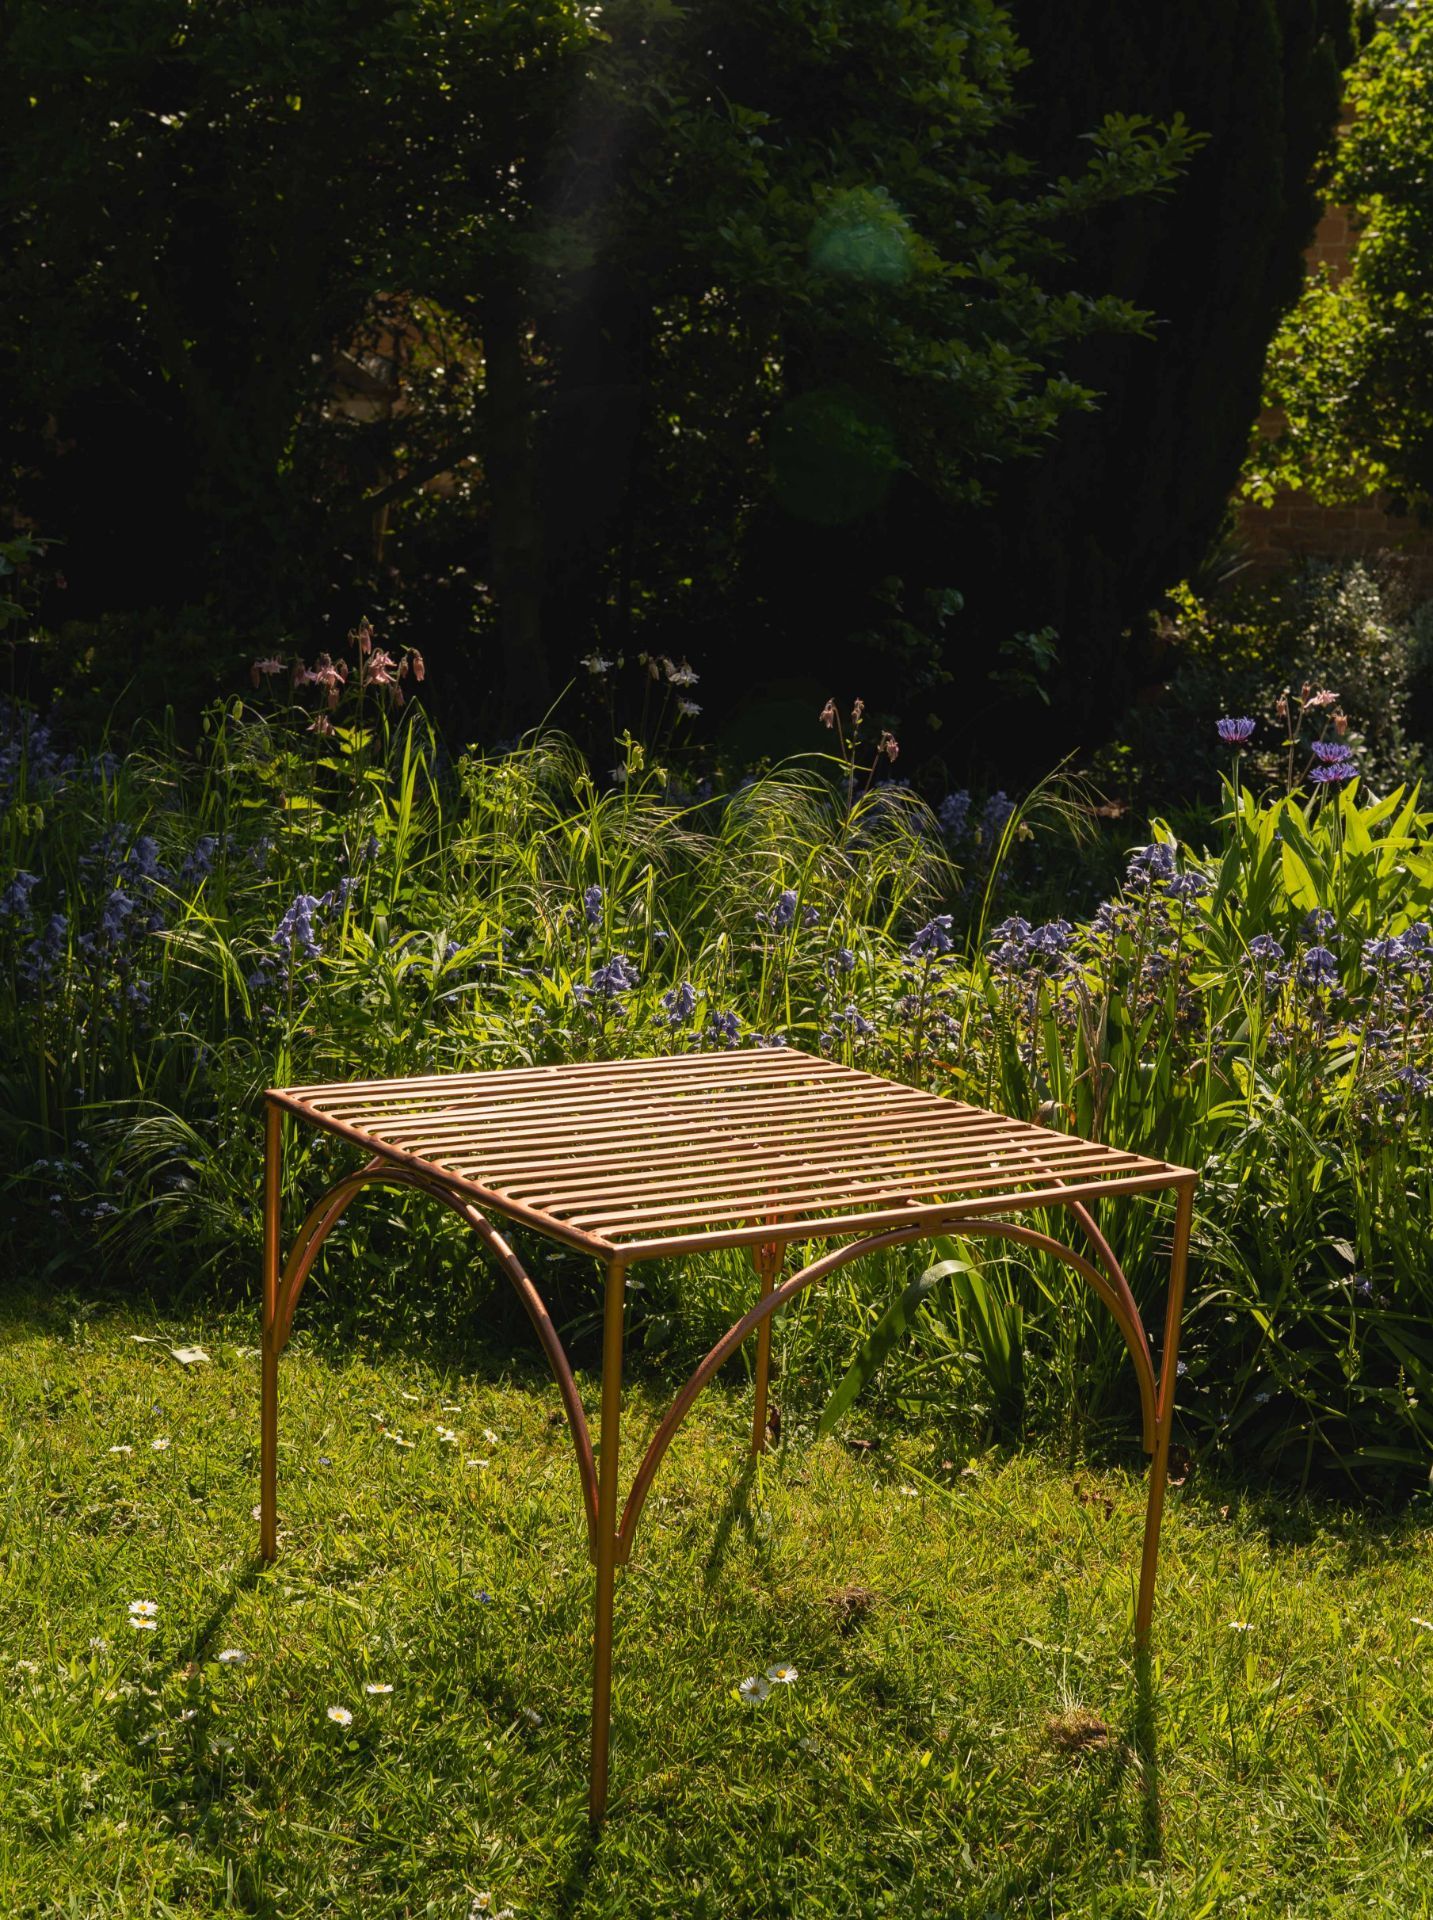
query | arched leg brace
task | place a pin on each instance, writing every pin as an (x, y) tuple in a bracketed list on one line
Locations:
[(283, 1287), (1112, 1290)]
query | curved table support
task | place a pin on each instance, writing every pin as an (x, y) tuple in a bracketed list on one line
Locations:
[(1112, 1290), (288, 1283)]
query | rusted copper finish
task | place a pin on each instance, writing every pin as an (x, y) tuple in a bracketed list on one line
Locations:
[(644, 1159)]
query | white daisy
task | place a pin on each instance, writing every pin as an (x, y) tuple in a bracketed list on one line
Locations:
[(235, 1657), (144, 1626), (783, 1674), (474, 1461), (340, 1716), (378, 1686), (158, 1446), (122, 1449), (408, 1396), (911, 1493), (99, 1645), (447, 1436), (753, 1690), (144, 1609), (490, 1436), (1427, 1625), (1241, 1626)]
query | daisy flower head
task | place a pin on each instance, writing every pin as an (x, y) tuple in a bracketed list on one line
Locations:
[(1426, 1625), (753, 1690), (159, 1445), (143, 1609), (783, 1674), (1241, 1626), (234, 1657), (122, 1449), (340, 1716), (378, 1686)]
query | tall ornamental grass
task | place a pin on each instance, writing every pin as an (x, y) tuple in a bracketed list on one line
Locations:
[(312, 896)]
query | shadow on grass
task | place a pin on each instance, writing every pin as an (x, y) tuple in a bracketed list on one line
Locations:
[(736, 1511)]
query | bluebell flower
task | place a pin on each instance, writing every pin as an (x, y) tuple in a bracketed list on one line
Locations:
[(1318, 968), (142, 861), (845, 960), (15, 900), (1186, 886), (1318, 924), (1011, 951), (610, 981), (933, 939), (592, 905), (118, 911), (810, 916), (1052, 939), (1385, 952), (680, 1004), (770, 1039), (953, 813), (724, 1027), (296, 930), (1234, 731), (994, 818), (1154, 862), (854, 1020), (41, 959), (198, 863), (1265, 951), (784, 912)]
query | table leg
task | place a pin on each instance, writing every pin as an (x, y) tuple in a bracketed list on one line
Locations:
[(269, 1347), (606, 1538), (767, 1260), (1164, 1415)]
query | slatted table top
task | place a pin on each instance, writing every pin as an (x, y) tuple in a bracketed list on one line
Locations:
[(657, 1156)]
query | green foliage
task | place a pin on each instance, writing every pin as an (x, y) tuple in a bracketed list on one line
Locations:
[(1351, 370), (177, 932), (616, 278), (1348, 627)]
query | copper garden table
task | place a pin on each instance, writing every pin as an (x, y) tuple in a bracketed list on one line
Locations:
[(644, 1159)]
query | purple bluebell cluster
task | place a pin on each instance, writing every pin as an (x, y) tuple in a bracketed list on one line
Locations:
[(611, 980), (592, 906), (973, 833), (680, 1004), (782, 916), (1318, 968), (934, 940), (723, 1030)]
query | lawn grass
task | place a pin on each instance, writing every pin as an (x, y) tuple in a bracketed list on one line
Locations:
[(968, 1734)]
